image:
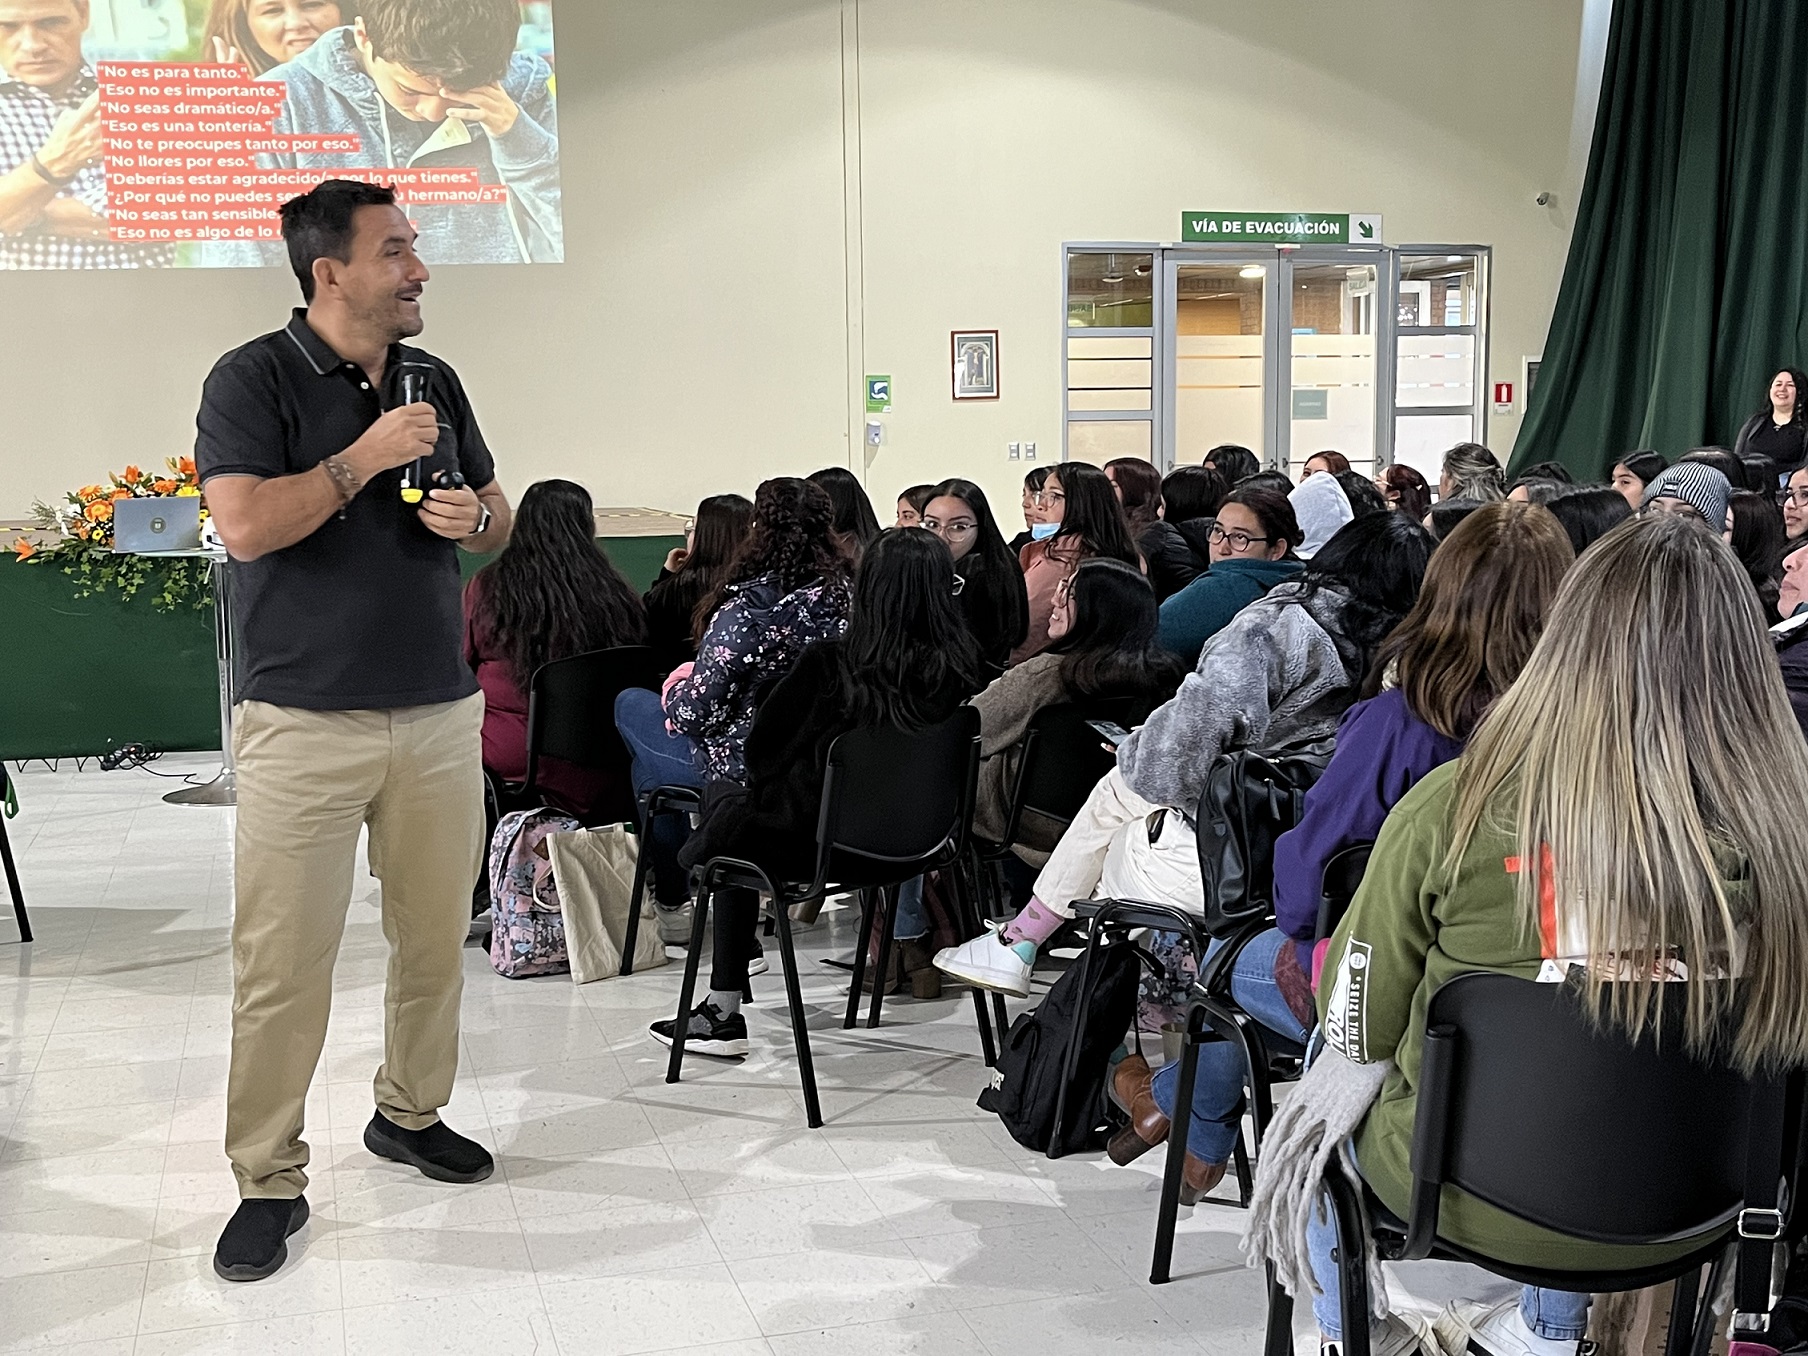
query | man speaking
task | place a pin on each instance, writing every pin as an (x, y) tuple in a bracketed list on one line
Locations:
[(356, 707)]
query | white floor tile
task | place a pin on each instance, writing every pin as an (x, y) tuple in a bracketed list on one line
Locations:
[(679, 1310), (63, 1307)]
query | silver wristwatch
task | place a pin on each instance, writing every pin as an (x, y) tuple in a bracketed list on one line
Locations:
[(483, 523)]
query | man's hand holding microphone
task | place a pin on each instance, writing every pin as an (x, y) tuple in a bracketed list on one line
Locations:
[(406, 436)]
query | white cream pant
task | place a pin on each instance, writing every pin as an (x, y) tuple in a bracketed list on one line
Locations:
[(1107, 853)]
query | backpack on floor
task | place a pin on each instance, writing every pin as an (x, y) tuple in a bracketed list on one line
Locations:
[(1030, 1066), (527, 933)]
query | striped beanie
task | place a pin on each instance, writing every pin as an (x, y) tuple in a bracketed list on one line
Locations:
[(1698, 485)]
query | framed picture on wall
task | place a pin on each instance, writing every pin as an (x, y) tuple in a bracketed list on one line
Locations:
[(975, 354)]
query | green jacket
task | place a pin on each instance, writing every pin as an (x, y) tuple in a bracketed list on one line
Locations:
[(1411, 929)]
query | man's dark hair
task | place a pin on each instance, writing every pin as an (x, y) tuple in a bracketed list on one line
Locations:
[(461, 43), (319, 225)]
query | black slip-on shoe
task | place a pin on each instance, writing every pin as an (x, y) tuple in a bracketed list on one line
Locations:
[(439, 1151), (254, 1243)]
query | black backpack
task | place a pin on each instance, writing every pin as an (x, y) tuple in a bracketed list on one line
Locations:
[(1250, 799), (1028, 1077)]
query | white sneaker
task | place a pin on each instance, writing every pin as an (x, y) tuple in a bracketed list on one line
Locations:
[(1466, 1328), (989, 962), (1395, 1335)]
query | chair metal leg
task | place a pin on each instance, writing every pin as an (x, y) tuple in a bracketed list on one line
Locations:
[(1704, 1324), (1352, 1260), (1683, 1297), (637, 899), (687, 990), (1076, 1038), (1279, 1338), (1168, 1213), (1246, 1180), (12, 884), (859, 977), (888, 901), (800, 1032)]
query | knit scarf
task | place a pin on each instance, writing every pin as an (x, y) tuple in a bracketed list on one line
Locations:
[(1315, 1120)]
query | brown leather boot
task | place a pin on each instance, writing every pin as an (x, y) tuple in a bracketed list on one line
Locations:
[(1197, 1178), (1132, 1091), (918, 959)]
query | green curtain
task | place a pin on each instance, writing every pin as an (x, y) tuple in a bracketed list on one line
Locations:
[(1683, 291)]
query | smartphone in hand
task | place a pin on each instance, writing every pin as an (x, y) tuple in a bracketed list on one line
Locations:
[(1114, 733)]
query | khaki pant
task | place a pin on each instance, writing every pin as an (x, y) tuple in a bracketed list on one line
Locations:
[(307, 782), (1106, 853)]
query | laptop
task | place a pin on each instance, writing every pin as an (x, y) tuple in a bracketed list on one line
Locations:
[(156, 526)]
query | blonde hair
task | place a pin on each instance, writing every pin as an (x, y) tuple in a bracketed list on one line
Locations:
[(1647, 745)]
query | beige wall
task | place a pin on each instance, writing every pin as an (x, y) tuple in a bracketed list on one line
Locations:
[(767, 198)]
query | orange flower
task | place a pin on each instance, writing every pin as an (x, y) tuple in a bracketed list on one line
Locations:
[(122, 493), (88, 492), (131, 475), (166, 486), (186, 465), (23, 549), (101, 511)]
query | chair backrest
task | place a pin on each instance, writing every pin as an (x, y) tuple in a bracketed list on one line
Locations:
[(898, 798), (1063, 759), (1558, 1121), (1343, 877), (571, 706)]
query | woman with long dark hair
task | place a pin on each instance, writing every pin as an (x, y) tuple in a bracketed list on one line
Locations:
[(1165, 552), (1236, 464), (1035, 525), (1589, 513), (786, 589), (855, 522), (1760, 541), (992, 594), (1631, 473), (551, 594), (1406, 491), (905, 662), (1778, 428), (692, 573), (1282, 673), (1090, 525)]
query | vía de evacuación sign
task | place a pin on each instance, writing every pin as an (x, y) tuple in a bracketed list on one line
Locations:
[(1281, 228)]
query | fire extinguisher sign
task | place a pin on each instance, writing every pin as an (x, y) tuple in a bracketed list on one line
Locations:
[(1503, 397)]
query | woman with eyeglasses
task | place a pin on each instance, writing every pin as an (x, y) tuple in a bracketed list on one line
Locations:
[(1252, 545), (1033, 522), (992, 594), (1089, 524), (1795, 506)]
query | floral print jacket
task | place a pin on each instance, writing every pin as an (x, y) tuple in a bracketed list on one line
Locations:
[(755, 637)]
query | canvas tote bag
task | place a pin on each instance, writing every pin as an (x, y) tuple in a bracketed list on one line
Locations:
[(594, 872)]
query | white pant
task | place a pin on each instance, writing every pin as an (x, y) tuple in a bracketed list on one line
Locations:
[(1106, 853)]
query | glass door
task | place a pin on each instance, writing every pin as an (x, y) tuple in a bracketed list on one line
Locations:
[(1222, 352), (1334, 300), (1441, 324), (1109, 355)]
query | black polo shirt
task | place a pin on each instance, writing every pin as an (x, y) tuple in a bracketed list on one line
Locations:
[(364, 614)]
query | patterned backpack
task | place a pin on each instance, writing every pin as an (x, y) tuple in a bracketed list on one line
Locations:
[(527, 931)]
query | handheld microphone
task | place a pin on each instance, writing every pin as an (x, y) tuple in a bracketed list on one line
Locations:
[(414, 391)]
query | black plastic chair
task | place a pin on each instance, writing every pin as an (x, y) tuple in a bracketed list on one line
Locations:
[(571, 714), (661, 800), (1524, 1102), (6, 859), (895, 804)]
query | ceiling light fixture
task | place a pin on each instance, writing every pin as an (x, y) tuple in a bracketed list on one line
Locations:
[(1252, 271), (1111, 273)]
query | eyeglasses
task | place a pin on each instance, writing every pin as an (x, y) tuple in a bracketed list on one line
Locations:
[(960, 527), (1238, 539), (1046, 497), (1796, 498), (960, 582), (690, 526)]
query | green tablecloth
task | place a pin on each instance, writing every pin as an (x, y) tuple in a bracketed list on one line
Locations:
[(85, 675)]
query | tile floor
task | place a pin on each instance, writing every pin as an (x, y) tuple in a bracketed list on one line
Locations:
[(626, 1215)]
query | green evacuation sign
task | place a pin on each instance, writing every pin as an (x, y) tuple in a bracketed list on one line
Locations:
[(1281, 228), (878, 394)]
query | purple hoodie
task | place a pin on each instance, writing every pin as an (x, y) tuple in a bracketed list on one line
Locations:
[(1382, 750)]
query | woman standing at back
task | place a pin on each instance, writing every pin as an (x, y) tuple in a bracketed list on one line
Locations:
[(1089, 524), (551, 594), (1778, 429)]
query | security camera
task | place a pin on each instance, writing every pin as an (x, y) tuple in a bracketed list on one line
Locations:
[(1544, 198)]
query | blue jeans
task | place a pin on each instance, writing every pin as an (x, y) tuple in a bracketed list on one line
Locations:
[(659, 758), (1218, 1087), (1554, 1314)]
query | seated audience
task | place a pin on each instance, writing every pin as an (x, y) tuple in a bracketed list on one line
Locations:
[(1632, 472), (1722, 461), (1589, 513), (1078, 501), (1035, 526), (1102, 647), (1758, 540), (1795, 505), (992, 595), (1446, 514), (1655, 856), (1190, 496), (1406, 491), (1762, 476), (786, 589), (1486, 593), (1322, 508), (1282, 673), (1236, 464), (1364, 497), (1778, 428), (855, 522), (1471, 471), (1534, 490), (692, 573), (1334, 463), (906, 662), (911, 505), (1252, 545), (1165, 553), (1691, 489), (1278, 481), (551, 594), (1788, 634), (1548, 470)]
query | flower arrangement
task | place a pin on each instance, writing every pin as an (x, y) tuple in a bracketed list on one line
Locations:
[(84, 546)]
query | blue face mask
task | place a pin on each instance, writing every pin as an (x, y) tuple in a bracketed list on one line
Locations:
[(1043, 531)]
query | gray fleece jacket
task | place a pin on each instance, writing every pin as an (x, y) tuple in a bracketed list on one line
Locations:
[(1276, 676)]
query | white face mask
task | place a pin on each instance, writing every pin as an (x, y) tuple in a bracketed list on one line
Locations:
[(1043, 531)]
